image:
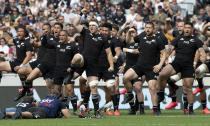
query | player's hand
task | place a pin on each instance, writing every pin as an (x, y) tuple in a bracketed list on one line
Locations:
[(69, 69), (16, 68), (114, 59), (156, 68), (121, 69), (135, 51), (111, 69)]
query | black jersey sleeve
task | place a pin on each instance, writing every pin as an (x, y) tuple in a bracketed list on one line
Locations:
[(43, 40), (175, 42), (161, 45), (137, 39), (84, 32), (105, 42), (117, 43), (163, 38), (28, 47), (199, 43)]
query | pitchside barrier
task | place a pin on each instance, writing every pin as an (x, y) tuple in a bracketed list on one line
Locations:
[(10, 84)]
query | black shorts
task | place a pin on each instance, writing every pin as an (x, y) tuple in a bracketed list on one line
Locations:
[(34, 64), (208, 64), (116, 69), (127, 67), (13, 64), (186, 70), (104, 74), (60, 74), (47, 69), (149, 74), (37, 112), (136, 80), (90, 66)]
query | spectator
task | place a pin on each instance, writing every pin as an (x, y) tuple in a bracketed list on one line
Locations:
[(132, 14), (160, 16), (119, 18), (139, 24), (68, 16), (157, 3), (199, 23), (4, 48), (175, 10)]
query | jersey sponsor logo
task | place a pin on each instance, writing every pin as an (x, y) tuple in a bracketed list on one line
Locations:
[(192, 40), (23, 105), (186, 42), (46, 100), (62, 50)]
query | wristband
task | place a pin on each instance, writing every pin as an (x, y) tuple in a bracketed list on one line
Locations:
[(21, 65), (129, 50), (116, 57), (208, 48)]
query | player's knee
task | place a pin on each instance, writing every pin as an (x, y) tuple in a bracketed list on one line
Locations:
[(78, 60), (110, 83), (93, 83), (175, 78)]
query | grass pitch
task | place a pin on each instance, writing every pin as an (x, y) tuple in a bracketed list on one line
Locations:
[(167, 118)]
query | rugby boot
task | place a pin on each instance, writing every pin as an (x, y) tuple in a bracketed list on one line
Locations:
[(116, 112), (186, 111), (171, 105), (206, 111), (21, 94), (123, 91), (198, 90), (108, 112), (128, 98)]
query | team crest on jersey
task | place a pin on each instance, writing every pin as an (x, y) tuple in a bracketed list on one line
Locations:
[(150, 42), (182, 39), (109, 41), (58, 46), (192, 40), (22, 44), (62, 50), (68, 47)]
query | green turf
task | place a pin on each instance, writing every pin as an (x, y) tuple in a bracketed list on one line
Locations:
[(167, 118)]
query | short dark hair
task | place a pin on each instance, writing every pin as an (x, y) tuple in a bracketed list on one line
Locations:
[(57, 23), (116, 27), (189, 23), (24, 28), (150, 23), (48, 24), (107, 25), (28, 99)]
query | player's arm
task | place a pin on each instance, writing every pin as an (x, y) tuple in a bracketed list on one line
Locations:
[(117, 55), (77, 24), (196, 58), (202, 54), (110, 59), (66, 113), (156, 68), (168, 50)]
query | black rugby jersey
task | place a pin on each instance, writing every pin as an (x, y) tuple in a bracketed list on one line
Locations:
[(185, 47), (93, 44), (22, 46), (149, 50), (65, 53)]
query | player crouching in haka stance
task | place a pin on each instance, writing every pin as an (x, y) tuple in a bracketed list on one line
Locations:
[(94, 43), (185, 46), (148, 64)]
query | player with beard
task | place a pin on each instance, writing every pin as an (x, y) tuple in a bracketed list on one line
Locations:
[(94, 43), (109, 77), (47, 65), (64, 54), (131, 57), (148, 64), (26, 70), (23, 52), (185, 46)]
